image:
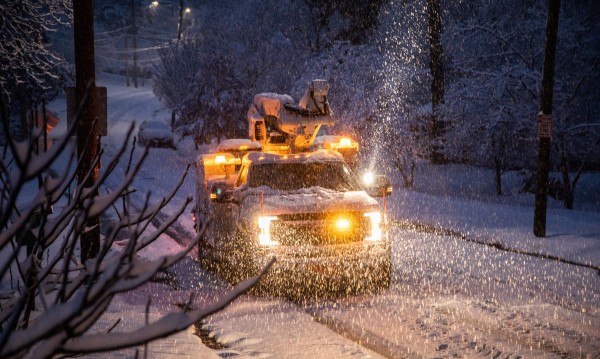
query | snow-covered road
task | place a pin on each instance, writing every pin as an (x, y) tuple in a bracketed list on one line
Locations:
[(449, 298)]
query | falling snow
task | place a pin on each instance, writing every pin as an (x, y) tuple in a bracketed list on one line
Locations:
[(469, 279), (450, 294)]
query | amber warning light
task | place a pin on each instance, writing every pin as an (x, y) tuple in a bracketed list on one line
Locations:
[(345, 142), (220, 159)]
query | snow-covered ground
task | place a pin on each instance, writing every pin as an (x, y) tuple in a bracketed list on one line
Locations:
[(572, 235), (456, 319)]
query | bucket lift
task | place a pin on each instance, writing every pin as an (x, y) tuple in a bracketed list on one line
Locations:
[(282, 126)]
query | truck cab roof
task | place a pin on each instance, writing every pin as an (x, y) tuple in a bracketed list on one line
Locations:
[(304, 157)]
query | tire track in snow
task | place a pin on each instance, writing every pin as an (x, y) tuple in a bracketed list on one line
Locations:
[(364, 337), (429, 331), (434, 313)]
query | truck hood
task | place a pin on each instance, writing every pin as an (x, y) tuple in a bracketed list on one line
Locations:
[(307, 200)]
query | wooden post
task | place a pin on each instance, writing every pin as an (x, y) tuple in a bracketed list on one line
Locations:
[(88, 140), (545, 121)]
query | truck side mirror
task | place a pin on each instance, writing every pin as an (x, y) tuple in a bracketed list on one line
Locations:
[(219, 193), (379, 187)]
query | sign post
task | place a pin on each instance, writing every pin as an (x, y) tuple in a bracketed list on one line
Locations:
[(544, 125)]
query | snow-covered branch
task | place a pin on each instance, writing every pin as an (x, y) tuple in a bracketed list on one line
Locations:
[(57, 298), (169, 324)]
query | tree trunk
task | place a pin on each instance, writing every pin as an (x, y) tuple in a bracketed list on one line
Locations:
[(180, 23), (126, 61), (411, 180), (498, 167), (24, 104), (568, 189), (436, 66)]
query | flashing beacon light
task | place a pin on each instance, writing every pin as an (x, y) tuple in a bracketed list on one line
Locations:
[(220, 159), (345, 142)]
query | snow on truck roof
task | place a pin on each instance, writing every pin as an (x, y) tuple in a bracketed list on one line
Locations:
[(305, 157), (333, 142), (216, 159)]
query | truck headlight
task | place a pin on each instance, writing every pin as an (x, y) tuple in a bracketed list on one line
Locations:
[(264, 237), (376, 233), (368, 178)]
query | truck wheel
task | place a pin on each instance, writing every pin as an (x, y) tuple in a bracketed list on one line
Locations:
[(384, 274), (238, 255), (207, 253)]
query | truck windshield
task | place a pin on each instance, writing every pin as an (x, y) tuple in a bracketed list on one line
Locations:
[(293, 176)]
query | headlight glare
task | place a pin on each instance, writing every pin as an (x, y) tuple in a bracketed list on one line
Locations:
[(376, 233), (264, 237), (368, 178)]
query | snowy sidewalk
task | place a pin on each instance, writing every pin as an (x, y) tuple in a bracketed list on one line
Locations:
[(570, 235), (249, 328), (181, 345)]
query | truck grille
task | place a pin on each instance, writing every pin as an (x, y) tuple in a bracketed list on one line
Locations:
[(319, 228)]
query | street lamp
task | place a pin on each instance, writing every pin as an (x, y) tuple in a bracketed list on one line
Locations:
[(182, 10), (187, 10)]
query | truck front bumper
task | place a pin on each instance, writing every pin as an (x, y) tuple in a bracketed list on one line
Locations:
[(318, 271)]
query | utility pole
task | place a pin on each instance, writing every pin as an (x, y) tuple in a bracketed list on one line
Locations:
[(544, 121), (88, 140), (180, 23), (179, 29), (134, 33)]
